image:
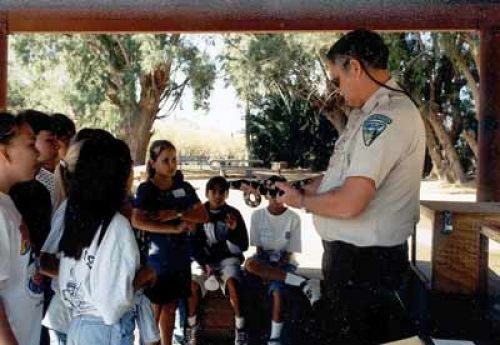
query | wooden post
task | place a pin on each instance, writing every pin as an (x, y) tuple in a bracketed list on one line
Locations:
[(4, 46), (488, 182), (489, 117)]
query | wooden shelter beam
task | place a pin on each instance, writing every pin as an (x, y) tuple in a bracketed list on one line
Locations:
[(250, 15), (4, 53)]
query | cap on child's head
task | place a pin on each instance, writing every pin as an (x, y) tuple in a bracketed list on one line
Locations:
[(217, 182)]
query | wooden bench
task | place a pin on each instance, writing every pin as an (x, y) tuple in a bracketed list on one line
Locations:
[(217, 316)]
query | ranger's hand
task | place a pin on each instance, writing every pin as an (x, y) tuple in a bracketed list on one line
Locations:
[(291, 196)]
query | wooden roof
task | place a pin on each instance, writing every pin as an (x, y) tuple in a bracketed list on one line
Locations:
[(21, 16)]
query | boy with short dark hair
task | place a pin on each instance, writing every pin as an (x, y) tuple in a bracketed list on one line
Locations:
[(218, 248), (64, 130), (46, 144), (276, 232)]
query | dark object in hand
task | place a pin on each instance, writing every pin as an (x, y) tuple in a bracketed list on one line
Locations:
[(267, 187)]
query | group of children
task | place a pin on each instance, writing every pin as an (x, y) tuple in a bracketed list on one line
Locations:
[(102, 283)]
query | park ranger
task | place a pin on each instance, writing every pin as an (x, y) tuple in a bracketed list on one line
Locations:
[(366, 205)]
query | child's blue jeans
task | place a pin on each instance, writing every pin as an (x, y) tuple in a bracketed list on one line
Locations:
[(91, 330)]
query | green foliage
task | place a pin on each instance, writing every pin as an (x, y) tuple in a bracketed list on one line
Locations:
[(275, 75), (425, 58), (263, 66), (286, 128), (98, 78), (259, 64)]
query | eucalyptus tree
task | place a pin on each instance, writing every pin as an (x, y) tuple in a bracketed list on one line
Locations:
[(119, 82)]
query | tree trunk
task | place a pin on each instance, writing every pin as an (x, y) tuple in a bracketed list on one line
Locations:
[(155, 85), (452, 49), (435, 154), (140, 134), (450, 154), (470, 138)]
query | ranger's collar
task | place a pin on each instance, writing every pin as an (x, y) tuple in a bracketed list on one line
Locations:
[(378, 96)]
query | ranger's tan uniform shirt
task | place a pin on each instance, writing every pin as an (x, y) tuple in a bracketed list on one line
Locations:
[(383, 141)]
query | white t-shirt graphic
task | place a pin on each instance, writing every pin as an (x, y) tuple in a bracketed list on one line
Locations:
[(100, 282), (21, 289)]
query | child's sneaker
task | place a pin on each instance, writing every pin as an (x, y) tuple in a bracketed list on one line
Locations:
[(240, 337), (192, 334), (311, 289), (274, 341)]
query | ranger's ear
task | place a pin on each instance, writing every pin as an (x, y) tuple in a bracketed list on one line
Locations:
[(4, 154), (356, 68)]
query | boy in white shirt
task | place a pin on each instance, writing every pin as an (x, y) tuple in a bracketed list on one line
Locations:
[(275, 231)]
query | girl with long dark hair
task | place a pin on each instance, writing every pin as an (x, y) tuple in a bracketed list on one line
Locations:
[(99, 254)]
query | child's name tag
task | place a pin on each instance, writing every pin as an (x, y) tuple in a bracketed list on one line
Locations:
[(179, 193)]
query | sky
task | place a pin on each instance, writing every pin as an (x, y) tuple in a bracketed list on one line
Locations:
[(225, 111)]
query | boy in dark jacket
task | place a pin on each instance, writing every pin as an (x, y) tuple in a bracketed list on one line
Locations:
[(218, 247)]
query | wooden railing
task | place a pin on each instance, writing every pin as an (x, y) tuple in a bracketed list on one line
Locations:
[(224, 165), (459, 253)]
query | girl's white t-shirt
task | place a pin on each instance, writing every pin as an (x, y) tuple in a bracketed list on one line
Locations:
[(57, 316), (100, 282), (20, 282)]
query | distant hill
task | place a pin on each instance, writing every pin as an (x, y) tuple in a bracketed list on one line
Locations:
[(192, 139)]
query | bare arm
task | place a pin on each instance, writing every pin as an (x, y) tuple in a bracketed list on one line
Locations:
[(345, 202), (196, 214), (49, 265), (142, 221), (6, 334), (146, 276)]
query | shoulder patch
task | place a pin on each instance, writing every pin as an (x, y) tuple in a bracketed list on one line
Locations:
[(373, 126)]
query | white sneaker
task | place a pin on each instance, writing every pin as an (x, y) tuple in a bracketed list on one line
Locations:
[(311, 289), (240, 337)]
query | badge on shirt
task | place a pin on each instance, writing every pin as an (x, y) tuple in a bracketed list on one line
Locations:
[(179, 193), (373, 126)]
